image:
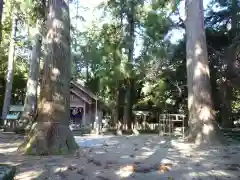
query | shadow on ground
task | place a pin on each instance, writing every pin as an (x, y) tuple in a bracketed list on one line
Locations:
[(128, 157)]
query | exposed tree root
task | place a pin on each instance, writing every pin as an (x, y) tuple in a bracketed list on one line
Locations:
[(49, 138), (23, 126), (199, 137)]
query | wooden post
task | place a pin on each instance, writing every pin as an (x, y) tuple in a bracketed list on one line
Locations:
[(183, 128), (96, 118), (100, 116), (164, 124), (144, 122), (84, 115), (169, 121)]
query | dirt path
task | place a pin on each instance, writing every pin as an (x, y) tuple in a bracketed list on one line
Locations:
[(134, 158)]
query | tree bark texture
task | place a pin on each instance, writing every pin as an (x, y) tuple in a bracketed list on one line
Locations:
[(203, 128), (117, 104), (231, 70), (129, 81), (226, 104), (30, 104), (51, 134), (10, 70), (1, 12)]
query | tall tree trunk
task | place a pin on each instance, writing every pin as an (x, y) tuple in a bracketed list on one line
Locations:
[(216, 90), (203, 128), (1, 12), (87, 63), (129, 82), (117, 103), (119, 107), (118, 118), (129, 97), (9, 78), (226, 93), (226, 105), (51, 134), (30, 104), (227, 121)]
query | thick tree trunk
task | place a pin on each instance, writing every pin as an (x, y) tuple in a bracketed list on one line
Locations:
[(30, 104), (118, 58), (121, 104), (226, 109), (87, 68), (51, 133), (129, 104), (117, 104), (203, 127), (230, 59), (129, 84), (9, 79), (1, 12)]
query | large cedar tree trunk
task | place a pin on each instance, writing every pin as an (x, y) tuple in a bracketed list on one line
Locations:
[(1, 12), (231, 56), (226, 105), (129, 82), (129, 97), (203, 128), (10, 70), (30, 104), (118, 117), (117, 104), (51, 134)]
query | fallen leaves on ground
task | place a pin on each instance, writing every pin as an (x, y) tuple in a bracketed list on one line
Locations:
[(163, 168), (102, 178), (129, 168), (226, 157), (71, 167), (96, 162), (233, 167), (140, 168)]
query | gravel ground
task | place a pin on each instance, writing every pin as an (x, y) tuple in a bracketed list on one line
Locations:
[(127, 157)]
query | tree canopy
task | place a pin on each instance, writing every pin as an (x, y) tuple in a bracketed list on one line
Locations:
[(123, 49)]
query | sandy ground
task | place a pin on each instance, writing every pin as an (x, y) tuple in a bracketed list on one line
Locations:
[(128, 157)]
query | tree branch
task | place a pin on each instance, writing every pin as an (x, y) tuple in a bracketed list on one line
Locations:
[(215, 51), (227, 50), (181, 20), (234, 43)]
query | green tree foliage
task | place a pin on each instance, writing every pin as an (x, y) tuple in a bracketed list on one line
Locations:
[(99, 52)]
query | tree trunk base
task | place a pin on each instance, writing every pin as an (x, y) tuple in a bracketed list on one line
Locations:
[(23, 126), (228, 124), (135, 132), (119, 132), (47, 138), (214, 137)]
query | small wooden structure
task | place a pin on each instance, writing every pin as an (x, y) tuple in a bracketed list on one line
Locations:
[(146, 119), (86, 107), (13, 115), (168, 122)]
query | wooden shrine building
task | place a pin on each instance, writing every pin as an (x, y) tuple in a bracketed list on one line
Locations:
[(86, 107)]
